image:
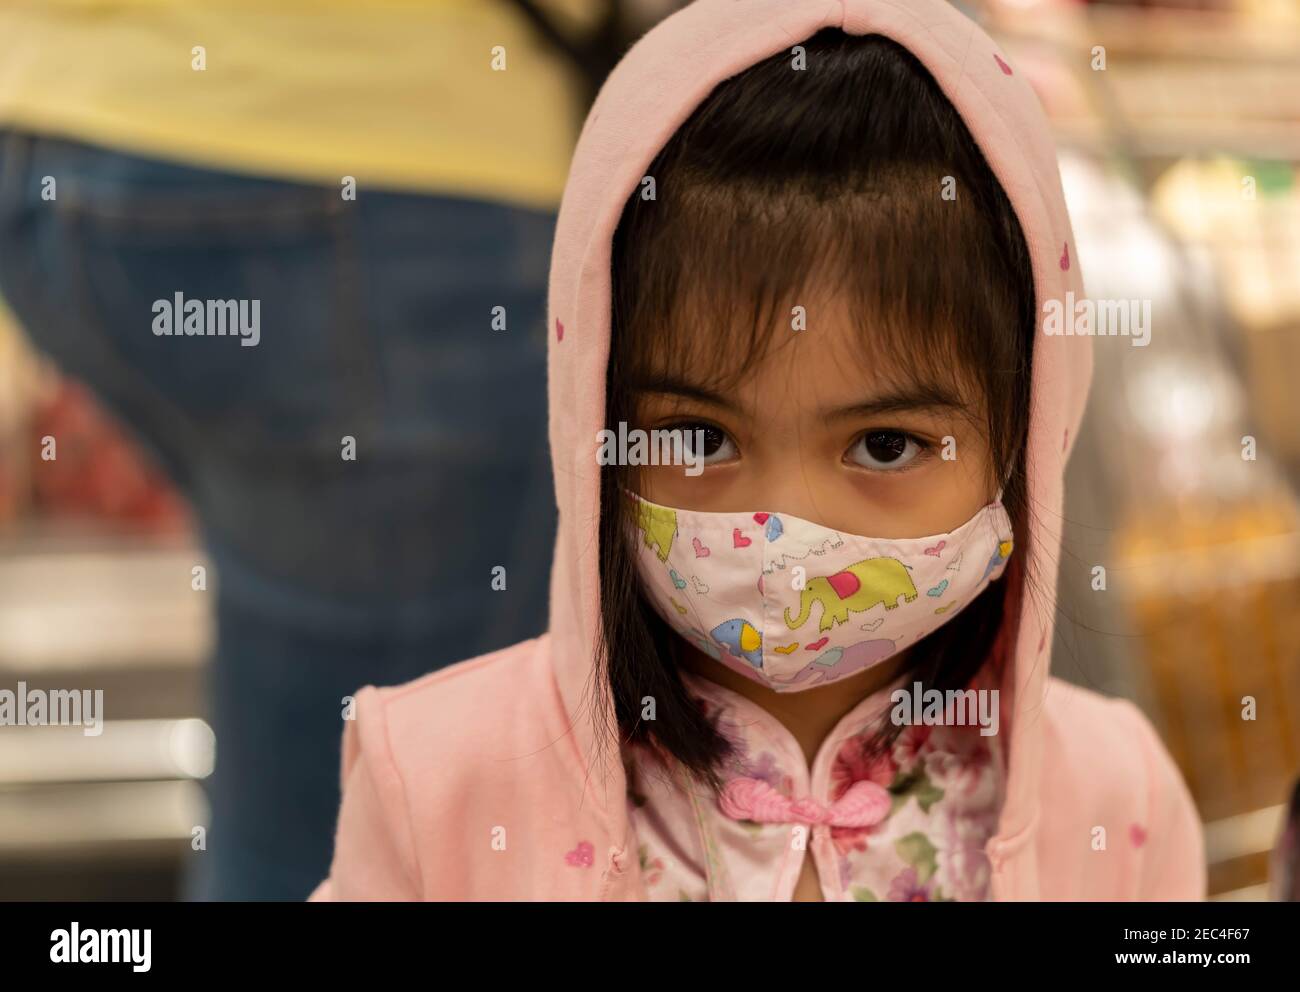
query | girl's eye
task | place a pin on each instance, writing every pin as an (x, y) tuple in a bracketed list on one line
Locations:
[(717, 447), (884, 450)]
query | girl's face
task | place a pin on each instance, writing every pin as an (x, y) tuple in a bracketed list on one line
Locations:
[(817, 430)]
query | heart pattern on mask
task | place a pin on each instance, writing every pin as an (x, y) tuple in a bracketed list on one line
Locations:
[(839, 604)]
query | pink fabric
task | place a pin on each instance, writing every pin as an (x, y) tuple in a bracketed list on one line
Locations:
[(864, 805), (479, 781), (905, 823), (790, 638)]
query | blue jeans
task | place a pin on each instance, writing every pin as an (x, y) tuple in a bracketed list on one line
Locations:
[(375, 326)]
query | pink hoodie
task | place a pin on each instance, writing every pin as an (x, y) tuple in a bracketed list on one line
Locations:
[(492, 780)]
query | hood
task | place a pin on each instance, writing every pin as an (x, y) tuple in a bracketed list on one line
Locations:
[(656, 86)]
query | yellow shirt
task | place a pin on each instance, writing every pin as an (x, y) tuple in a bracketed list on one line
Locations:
[(400, 94)]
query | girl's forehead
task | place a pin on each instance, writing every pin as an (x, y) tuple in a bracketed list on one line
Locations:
[(821, 355)]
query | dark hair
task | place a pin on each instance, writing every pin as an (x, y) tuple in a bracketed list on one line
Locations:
[(780, 177)]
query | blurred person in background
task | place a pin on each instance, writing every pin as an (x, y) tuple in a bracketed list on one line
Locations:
[(381, 180)]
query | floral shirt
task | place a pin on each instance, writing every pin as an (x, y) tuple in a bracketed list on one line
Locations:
[(908, 825)]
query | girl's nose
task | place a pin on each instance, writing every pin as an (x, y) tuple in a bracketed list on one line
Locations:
[(792, 492)]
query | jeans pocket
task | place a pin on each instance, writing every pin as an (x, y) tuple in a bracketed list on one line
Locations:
[(232, 298)]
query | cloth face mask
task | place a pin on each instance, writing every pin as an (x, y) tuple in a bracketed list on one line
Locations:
[(792, 604)]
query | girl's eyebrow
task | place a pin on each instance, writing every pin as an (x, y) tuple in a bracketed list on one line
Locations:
[(673, 386), (929, 397)]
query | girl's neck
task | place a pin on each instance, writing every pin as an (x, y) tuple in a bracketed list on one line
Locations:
[(811, 714)]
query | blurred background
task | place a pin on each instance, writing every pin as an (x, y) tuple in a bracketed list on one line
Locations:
[(1178, 125)]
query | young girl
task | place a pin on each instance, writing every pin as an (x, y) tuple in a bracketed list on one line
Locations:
[(814, 240)]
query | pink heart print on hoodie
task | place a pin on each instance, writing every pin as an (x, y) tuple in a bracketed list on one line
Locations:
[(792, 604)]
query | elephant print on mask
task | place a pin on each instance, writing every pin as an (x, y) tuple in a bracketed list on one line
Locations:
[(999, 557), (858, 588), (658, 524), (744, 610), (836, 663), (741, 639)]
